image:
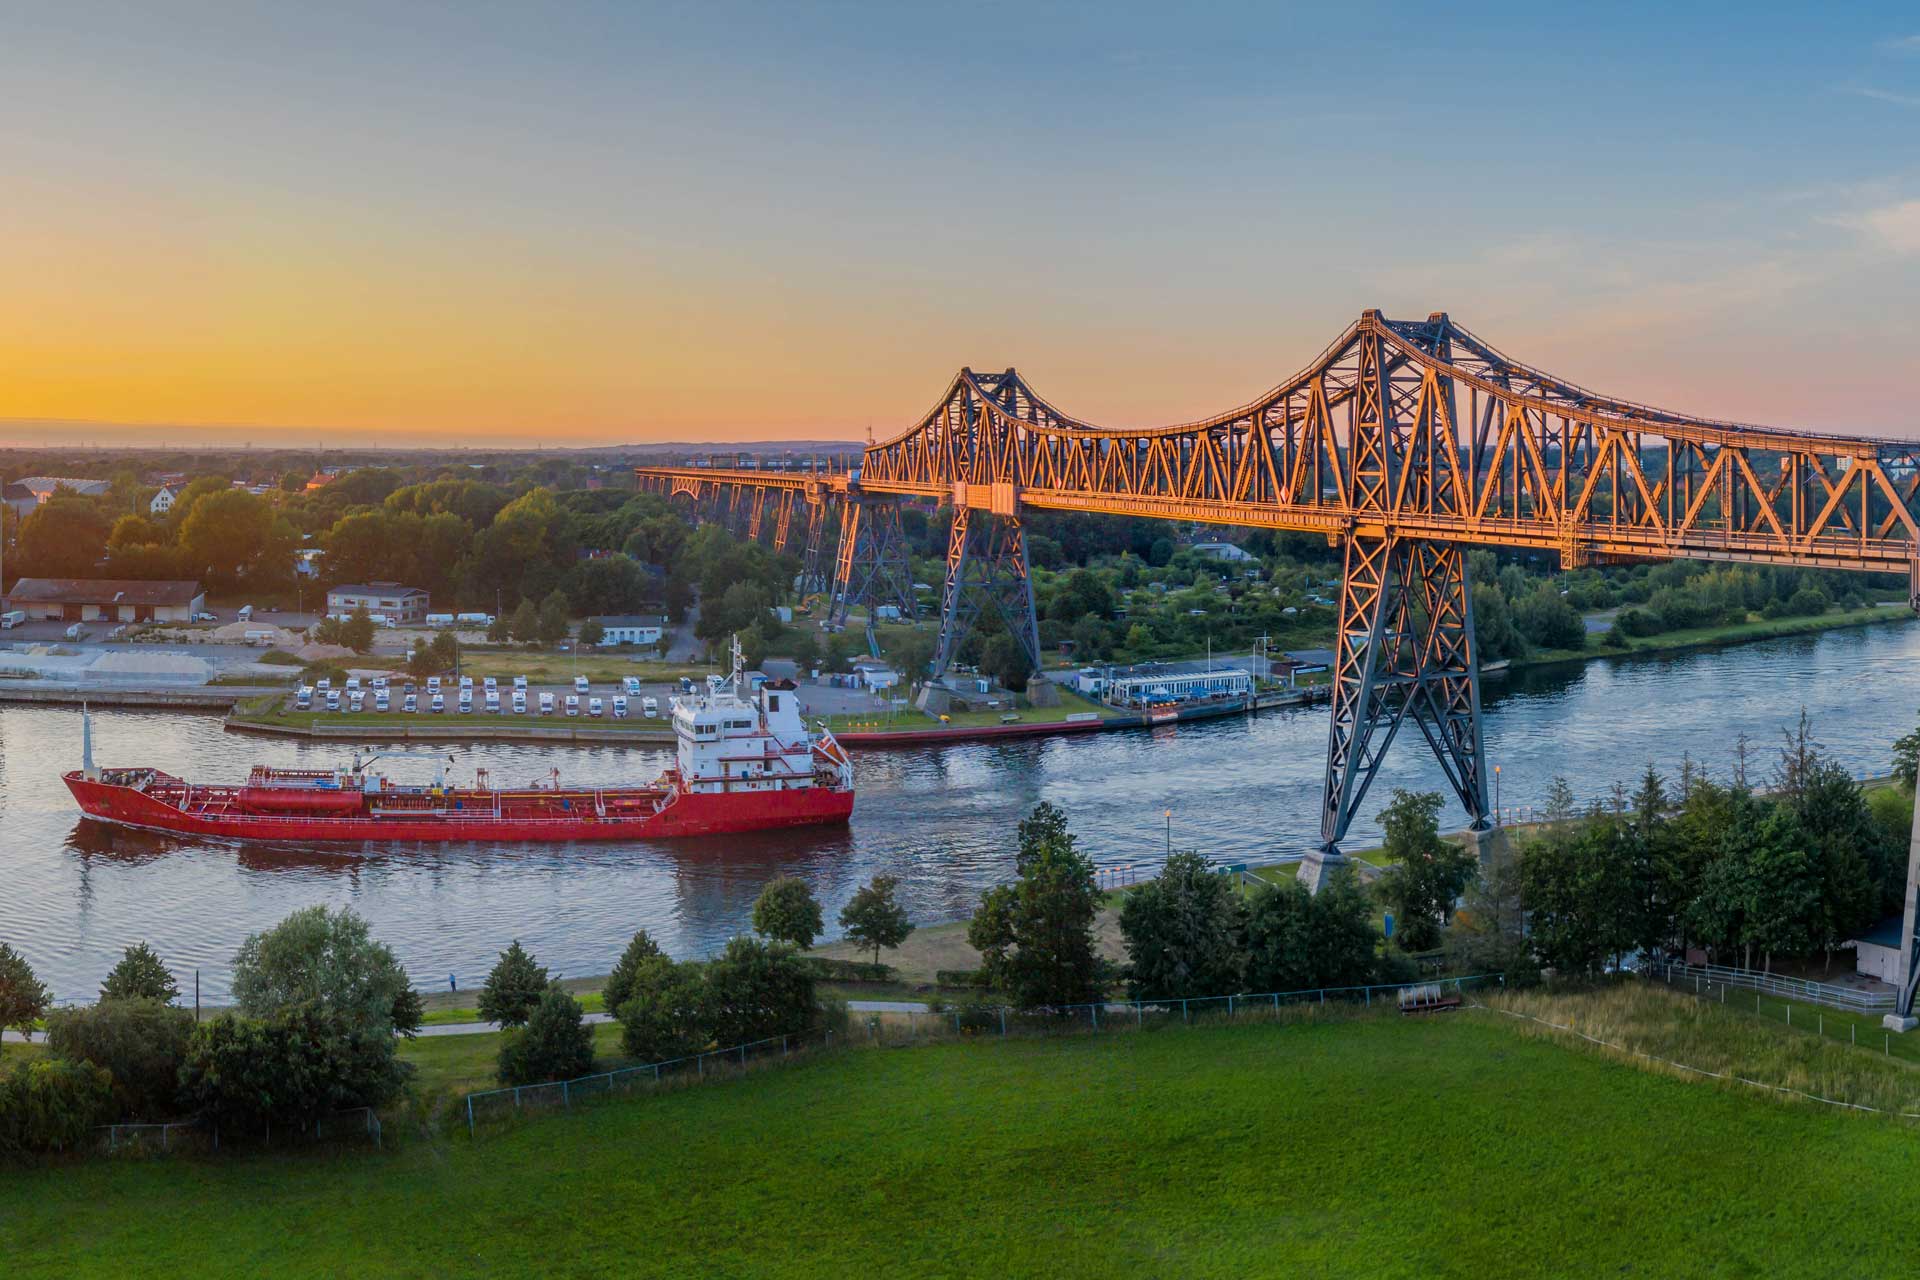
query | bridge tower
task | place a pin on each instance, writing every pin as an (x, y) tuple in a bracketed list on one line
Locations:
[(986, 567), (815, 558), (1405, 645), (872, 565)]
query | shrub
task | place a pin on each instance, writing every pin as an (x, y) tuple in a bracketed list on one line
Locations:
[(140, 1042), (756, 990), (291, 1068), (1638, 622), (822, 969), (140, 976), (554, 1045), (513, 987), (1182, 930), (1808, 602), (787, 911), (960, 977), (665, 1013), (50, 1104)]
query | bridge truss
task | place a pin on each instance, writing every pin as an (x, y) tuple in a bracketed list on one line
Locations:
[(1406, 442)]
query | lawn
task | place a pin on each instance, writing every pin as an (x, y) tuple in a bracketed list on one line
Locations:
[(1458, 1145)]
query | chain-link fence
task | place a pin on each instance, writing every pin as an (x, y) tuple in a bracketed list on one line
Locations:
[(557, 1095), (353, 1125)]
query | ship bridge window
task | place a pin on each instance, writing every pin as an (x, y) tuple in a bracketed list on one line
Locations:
[(773, 702), (739, 724)]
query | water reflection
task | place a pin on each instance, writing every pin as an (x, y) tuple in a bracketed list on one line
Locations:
[(73, 892)]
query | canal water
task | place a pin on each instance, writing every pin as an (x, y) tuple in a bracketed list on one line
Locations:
[(73, 893)]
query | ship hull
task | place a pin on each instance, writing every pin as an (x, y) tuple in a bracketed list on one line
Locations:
[(686, 814)]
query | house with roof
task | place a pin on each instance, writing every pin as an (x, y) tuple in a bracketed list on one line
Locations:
[(398, 604), (20, 498), (44, 487), (1876, 953), (161, 502), (640, 629), (105, 600)]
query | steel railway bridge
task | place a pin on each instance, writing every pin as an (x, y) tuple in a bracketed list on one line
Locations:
[(1404, 442)]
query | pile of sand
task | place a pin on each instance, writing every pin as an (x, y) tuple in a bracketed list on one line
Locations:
[(239, 633), (316, 652)]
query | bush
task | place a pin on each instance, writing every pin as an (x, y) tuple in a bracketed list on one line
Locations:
[(301, 1063), (1638, 622), (756, 990), (960, 977), (514, 987), (1808, 602), (50, 1104), (1183, 930), (141, 1043), (822, 969), (23, 997), (665, 1014), (554, 1045)]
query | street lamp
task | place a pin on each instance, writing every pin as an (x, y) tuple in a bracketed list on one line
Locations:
[(1496, 795), (1169, 833)]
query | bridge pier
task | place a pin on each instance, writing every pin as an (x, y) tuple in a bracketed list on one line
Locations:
[(813, 574), (872, 565), (1405, 647), (986, 566)]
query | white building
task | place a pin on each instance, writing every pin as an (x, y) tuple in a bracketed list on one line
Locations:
[(44, 487), (162, 502), (1876, 953), (635, 629), (1224, 551), (875, 673), (397, 604), (1178, 686)]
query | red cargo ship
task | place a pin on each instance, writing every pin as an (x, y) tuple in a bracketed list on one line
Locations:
[(744, 762)]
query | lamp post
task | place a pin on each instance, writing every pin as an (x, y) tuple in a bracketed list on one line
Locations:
[(1496, 795), (1169, 833)]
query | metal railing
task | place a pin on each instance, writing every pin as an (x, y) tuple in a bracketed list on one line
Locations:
[(1703, 977)]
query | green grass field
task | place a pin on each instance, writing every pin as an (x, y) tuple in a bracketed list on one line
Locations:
[(1458, 1145)]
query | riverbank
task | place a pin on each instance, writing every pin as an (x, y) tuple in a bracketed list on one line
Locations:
[(1611, 644)]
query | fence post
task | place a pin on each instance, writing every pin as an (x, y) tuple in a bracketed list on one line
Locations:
[(1139, 1014), (656, 1073), (1003, 1022), (469, 1115), (743, 1055), (566, 1095), (1276, 1002), (516, 1097), (783, 1046), (1229, 1006), (1183, 1012), (1096, 1017), (701, 1063)]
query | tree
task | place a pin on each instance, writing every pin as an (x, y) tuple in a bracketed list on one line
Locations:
[(619, 984), (1297, 940), (1035, 936), (755, 990), (500, 630), (592, 632), (1576, 885), (51, 1105), (513, 987), (357, 631), (553, 623), (1007, 662), (1545, 618), (62, 537), (1489, 934), (140, 976), (1560, 802), (141, 1041), (1428, 872), (23, 997), (874, 917), (227, 534), (525, 625), (328, 961), (1906, 758), (1183, 932), (664, 1013), (554, 1045), (787, 911)]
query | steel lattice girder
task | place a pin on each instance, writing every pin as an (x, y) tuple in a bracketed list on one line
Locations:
[(872, 567), (1405, 647), (986, 565)]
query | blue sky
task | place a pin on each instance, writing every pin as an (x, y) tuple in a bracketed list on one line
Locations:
[(596, 223)]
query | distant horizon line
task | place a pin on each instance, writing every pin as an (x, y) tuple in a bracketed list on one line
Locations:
[(191, 440)]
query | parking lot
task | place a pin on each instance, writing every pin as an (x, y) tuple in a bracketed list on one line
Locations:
[(627, 699)]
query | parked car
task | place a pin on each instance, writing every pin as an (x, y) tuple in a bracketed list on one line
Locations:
[(380, 701), (520, 682), (466, 682), (490, 683), (303, 698), (333, 699), (619, 706), (595, 707), (650, 707), (356, 701), (632, 683), (410, 704), (573, 704), (379, 682), (493, 702), (353, 682), (439, 703), (433, 684), (546, 704), (519, 702), (580, 684), (324, 683)]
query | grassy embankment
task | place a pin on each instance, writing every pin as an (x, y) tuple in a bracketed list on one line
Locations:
[(1324, 1144), (1611, 644), (909, 718)]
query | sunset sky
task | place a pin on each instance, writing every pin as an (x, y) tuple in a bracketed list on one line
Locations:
[(580, 224)]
